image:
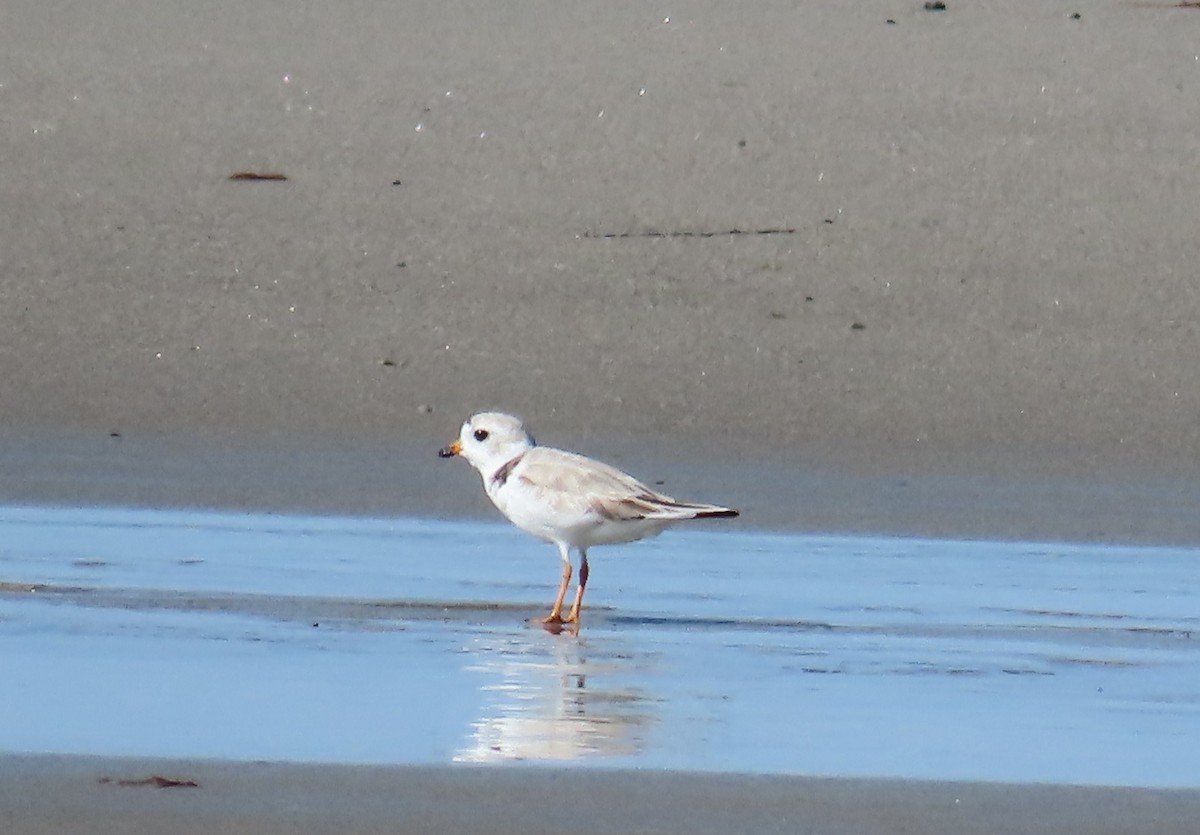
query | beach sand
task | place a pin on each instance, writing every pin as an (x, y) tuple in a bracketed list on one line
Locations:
[(992, 267), (98, 795), (848, 267)]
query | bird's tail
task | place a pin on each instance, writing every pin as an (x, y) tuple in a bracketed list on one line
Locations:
[(690, 510), (717, 513)]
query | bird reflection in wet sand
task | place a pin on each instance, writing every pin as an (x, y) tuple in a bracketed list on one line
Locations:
[(551, 704), (564, 498)]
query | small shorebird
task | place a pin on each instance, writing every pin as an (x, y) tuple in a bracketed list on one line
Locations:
[(565, 498)]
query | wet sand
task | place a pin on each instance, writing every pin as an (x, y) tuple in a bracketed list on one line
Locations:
[(56, 794), (261, 637), (403, 477), (406, 641), (975, 314)]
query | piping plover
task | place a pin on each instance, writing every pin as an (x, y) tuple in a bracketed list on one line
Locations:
[(565, 498)]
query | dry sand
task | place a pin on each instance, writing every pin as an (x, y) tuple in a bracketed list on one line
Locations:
[(1004, 198), (980, 315), (991, 275)]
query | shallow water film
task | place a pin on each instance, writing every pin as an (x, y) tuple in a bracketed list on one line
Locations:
[(268, 637)]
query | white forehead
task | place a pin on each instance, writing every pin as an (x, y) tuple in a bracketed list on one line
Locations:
[(494, 422)]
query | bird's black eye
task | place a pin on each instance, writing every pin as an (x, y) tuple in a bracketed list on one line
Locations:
[(481, 434)]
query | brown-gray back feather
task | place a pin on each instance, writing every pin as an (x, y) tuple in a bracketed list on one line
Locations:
[(605, 490)]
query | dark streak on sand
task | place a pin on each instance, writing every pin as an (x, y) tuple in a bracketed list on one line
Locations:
[(688, 233), (155, 780), (252, 176)]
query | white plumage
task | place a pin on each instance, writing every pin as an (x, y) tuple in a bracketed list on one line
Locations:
[(564, 498)]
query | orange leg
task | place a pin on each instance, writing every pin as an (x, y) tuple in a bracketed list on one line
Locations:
[(555, 615), (573, 617)]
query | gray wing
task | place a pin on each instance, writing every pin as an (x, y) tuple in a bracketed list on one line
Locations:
[(592, 487)]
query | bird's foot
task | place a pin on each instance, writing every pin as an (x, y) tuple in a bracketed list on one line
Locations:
[(555, 623)]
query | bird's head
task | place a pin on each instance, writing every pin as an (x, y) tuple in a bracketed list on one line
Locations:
[(489, 440)]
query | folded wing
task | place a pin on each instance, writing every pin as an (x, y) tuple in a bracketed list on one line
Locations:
[(588, 487)]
